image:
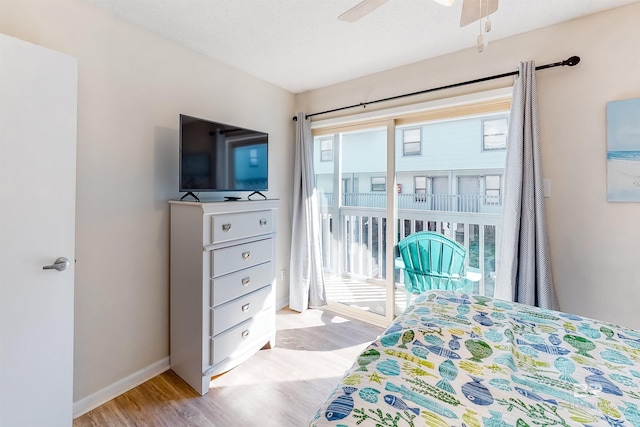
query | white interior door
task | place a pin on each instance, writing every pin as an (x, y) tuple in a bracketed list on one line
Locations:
[(38, 100)]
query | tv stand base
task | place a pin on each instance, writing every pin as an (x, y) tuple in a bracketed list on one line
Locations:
[(256, 192), (190, 194)]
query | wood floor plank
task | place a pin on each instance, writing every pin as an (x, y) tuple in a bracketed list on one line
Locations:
[(279, 387)]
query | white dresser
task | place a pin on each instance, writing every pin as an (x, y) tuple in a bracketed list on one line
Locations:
[(222, 292)]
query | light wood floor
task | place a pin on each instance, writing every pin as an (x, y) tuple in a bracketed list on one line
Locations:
[(279, 387)]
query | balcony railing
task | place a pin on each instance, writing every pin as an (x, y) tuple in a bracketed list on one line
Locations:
[(354, 237), (430, 202)]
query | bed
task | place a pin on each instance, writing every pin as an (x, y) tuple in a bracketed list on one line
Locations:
[(453, 359)]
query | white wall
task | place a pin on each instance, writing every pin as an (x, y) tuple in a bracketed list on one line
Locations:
[(594, 244), (132, 87)]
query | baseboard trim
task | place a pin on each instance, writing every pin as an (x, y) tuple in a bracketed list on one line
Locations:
[(100, 397), (280, 304)]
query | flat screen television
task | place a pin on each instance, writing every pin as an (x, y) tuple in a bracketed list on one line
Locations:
[(220, 157)]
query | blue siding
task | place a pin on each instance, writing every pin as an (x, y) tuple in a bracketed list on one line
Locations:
[(449, 145), (365, 152), (452, 145)]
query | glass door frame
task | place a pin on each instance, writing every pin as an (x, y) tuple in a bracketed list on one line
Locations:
[(392, 222), (391, 226)]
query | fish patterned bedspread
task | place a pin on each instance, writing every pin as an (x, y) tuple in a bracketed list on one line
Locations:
[(466, 360)]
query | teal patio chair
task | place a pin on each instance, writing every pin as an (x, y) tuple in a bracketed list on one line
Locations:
[(433, 261)]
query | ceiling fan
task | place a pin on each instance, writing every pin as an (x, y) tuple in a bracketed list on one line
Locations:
[(472, 10)]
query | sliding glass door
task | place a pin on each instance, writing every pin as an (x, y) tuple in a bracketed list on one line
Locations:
[(352, 183), (449, 185), (380, 181)]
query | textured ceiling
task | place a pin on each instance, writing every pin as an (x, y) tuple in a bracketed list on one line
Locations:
[(300, 45)]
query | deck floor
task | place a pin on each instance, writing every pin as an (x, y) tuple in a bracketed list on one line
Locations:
[(362, 294)]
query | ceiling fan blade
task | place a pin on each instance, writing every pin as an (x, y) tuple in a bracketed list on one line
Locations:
[(360, 10), (472, 10)]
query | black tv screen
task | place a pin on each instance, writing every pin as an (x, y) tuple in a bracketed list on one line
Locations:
[(220, 157)]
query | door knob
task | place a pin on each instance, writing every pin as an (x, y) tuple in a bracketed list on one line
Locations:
[(60, 264)]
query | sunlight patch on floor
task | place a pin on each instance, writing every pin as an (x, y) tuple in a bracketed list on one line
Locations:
[(363, 295)]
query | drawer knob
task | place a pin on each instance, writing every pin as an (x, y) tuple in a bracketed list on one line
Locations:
[(263, 222), (226, 227), (245, 333), (246, 255), (245, 307), (246, 281)]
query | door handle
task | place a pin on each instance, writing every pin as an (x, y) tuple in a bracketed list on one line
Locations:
[(60, 264)]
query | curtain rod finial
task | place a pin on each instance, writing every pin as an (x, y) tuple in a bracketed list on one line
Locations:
[(574, 60)]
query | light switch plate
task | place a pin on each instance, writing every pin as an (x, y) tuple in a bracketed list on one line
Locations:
[(546, 187)]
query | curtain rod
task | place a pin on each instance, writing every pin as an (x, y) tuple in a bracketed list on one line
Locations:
[(574, 60)]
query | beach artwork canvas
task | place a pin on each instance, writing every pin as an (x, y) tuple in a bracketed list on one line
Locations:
[(623, 150)]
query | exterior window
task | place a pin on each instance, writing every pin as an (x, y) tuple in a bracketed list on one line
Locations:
[(420, 185), (494, 134), (492, 189), (412, 142), (379, 184), (326, 150)]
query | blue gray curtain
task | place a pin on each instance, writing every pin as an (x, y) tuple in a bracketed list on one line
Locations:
[(306, 287), (524, 266)]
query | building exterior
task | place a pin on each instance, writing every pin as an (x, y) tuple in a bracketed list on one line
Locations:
[(450, 165), (449, 179)]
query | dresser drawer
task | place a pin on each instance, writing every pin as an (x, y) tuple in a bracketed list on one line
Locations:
[(239, 257), (234, 285), (237, 311), (234, 226), (235, 340)]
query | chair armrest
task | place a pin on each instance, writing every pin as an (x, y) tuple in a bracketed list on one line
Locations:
[(473, 274)]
